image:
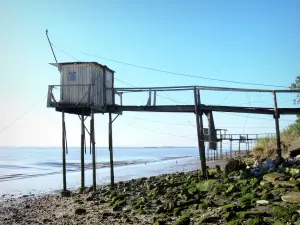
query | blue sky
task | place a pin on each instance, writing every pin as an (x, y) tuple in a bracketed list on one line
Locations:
[(251, 41)]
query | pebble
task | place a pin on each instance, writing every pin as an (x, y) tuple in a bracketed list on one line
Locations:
[(262, 202)]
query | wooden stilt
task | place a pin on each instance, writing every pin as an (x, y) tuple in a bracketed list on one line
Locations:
[(247, 145), (64, 192), (221, 150), (240, 147), (278, 143), (217, 153), (64, 152), (82, 151), (230, 153), (199, 124), (110, 143), (207, 150), (92, 133)]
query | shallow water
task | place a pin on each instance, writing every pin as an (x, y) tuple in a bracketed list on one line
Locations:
[(35, 170)]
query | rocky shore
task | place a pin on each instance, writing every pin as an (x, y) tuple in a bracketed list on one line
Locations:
[(238, 197)]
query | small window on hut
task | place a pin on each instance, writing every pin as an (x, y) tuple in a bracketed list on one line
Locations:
[(73, 76)]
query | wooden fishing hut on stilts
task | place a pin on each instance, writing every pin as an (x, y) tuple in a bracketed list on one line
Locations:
[(87, 88)]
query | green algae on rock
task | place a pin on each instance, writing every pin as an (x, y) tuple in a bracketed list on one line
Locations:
[(182, 221), (291, 197), (271, 177)]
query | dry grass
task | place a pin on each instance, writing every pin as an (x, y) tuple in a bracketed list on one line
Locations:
[(266, 147)]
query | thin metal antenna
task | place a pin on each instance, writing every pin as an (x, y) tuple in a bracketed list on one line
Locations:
[(51, 46)]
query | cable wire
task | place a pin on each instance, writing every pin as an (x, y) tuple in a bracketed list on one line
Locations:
[(173, 73), (20, 117)]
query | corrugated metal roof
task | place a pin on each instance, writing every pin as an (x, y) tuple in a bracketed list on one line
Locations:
[(69, 63)]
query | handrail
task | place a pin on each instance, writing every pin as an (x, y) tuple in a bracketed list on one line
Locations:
[(51, 100), (208, 88)]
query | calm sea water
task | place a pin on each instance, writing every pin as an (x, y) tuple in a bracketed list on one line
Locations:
[(36, 170)]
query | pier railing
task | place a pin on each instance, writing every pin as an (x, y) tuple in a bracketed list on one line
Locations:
[(72, 95)]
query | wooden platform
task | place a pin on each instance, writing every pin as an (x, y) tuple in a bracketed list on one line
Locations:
[(204, 108), (117, 109)]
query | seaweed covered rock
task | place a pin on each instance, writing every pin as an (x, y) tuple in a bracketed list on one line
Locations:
[(206, 186), (254, 221), (182, 221), (234, 165), (282, 213), (291, 197), (247, 199), (285, 183), (272, 177)]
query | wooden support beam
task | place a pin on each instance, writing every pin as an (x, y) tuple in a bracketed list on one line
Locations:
[(278, 143), (230, 153), (207, 151), (82, 151), (92, 134), (64, 152), (204, 108), (199, 124), (247, 144), (217, 153), (221, 150), (110, 143)]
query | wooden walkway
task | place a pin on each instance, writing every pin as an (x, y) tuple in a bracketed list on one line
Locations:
[(197, 108)]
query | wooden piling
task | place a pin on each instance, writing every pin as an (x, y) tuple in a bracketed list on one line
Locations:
[(64, 152), (276, 117), (207, 151), (92, 134), (247, 144), (110, 143), (217, 153), (221, 150), (199, 124), (82, 151), (230, 153)]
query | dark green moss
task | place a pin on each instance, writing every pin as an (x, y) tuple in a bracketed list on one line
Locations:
[(235, 222), (278, 222), (282, 213), (246, 200), (176, 211), (160, 218), (140, 212), (231, 189), (203, 219), (186, 214), (267, 196), (228, 216), (228, 207), (160, 222), (119, 203), (182, 221), (254, 221), (192, 190)]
